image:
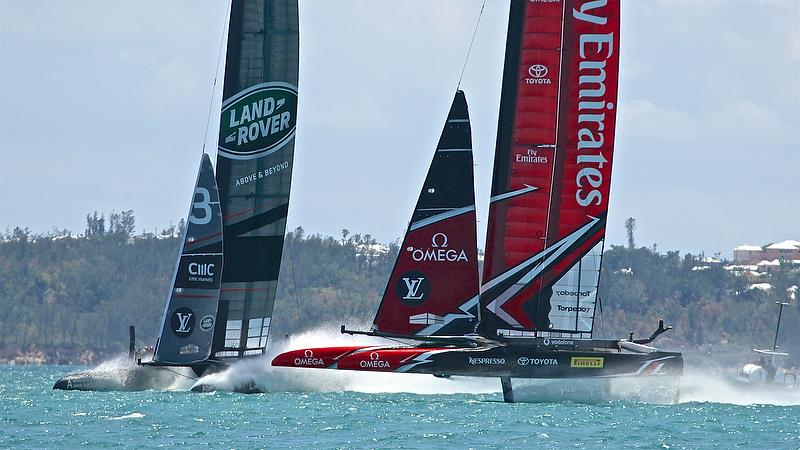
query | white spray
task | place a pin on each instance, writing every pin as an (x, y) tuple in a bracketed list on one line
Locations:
[(282, 379)]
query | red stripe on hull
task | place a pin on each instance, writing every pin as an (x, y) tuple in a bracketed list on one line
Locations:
[(385, 360), (315, 358)]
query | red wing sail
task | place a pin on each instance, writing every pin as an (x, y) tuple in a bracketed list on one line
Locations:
[(552, 168), (433, 289)]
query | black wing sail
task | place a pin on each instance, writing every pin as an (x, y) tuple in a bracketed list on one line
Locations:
[(433, 289), (188, 326), (254, 167)]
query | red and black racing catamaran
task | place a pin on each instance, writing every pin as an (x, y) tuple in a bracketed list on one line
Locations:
[(533, 315)]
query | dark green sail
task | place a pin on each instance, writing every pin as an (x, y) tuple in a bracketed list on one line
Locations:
[(254, 167)]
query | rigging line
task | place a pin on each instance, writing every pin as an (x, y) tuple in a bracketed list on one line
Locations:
[(180, 374), (469, 50), (216, 74), (602, 321)]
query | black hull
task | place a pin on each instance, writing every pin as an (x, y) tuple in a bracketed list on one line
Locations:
[(521, 361), (517, 365), (509, 361)]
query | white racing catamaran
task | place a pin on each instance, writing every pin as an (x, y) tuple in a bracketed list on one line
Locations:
[(220, 304), (766, 373)]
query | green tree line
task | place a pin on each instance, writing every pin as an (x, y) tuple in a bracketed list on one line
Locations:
[(65, 294)]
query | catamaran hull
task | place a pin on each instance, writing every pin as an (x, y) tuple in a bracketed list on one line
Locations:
[(554, 371), (514, 361), (129, 378)]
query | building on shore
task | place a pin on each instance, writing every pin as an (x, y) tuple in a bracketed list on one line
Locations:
[(788, 250)]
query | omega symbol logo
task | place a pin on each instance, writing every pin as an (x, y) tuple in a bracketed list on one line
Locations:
[(537, 71), (309, 354), (374, 362), (439, 240)]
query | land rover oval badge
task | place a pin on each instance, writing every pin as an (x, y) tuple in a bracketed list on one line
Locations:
[(258, 120)]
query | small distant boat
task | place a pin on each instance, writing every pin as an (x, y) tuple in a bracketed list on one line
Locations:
[(768, 372), (220, 305), (531, 317)]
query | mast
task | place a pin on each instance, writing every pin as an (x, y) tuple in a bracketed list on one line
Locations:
[(254, 167), (778, 326), (552, 169), (433, 288)]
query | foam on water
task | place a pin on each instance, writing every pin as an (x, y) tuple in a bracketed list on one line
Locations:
[(694, 386), (282, 379), (135, 415), (118, 367), (120, 371), (719, 387), (34, 416)]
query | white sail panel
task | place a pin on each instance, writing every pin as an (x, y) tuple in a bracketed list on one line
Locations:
[(575, 294)]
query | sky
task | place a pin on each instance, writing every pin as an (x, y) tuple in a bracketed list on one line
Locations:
[(104, 106)]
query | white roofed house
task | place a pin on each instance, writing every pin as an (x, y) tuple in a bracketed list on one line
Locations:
[(766, 266), (747, 254), (785, 251), (788, 250)]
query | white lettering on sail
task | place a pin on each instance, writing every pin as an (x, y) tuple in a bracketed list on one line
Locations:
[(201, 269), (582, 15), (262, 173), (413, 289), (582, 309), (254, 111), (183, 320), (532, 157), (438, 251), (260, 129), (594, 50), (201, 205), (538, 75)]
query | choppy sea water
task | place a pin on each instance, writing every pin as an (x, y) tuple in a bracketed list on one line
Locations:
[(32, 415)]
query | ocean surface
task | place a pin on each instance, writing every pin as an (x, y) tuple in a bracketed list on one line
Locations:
[(331, 409)]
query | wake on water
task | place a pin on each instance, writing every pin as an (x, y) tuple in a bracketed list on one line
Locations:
[(121, 371), (718, 387), (695, 386), (283, 379)]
